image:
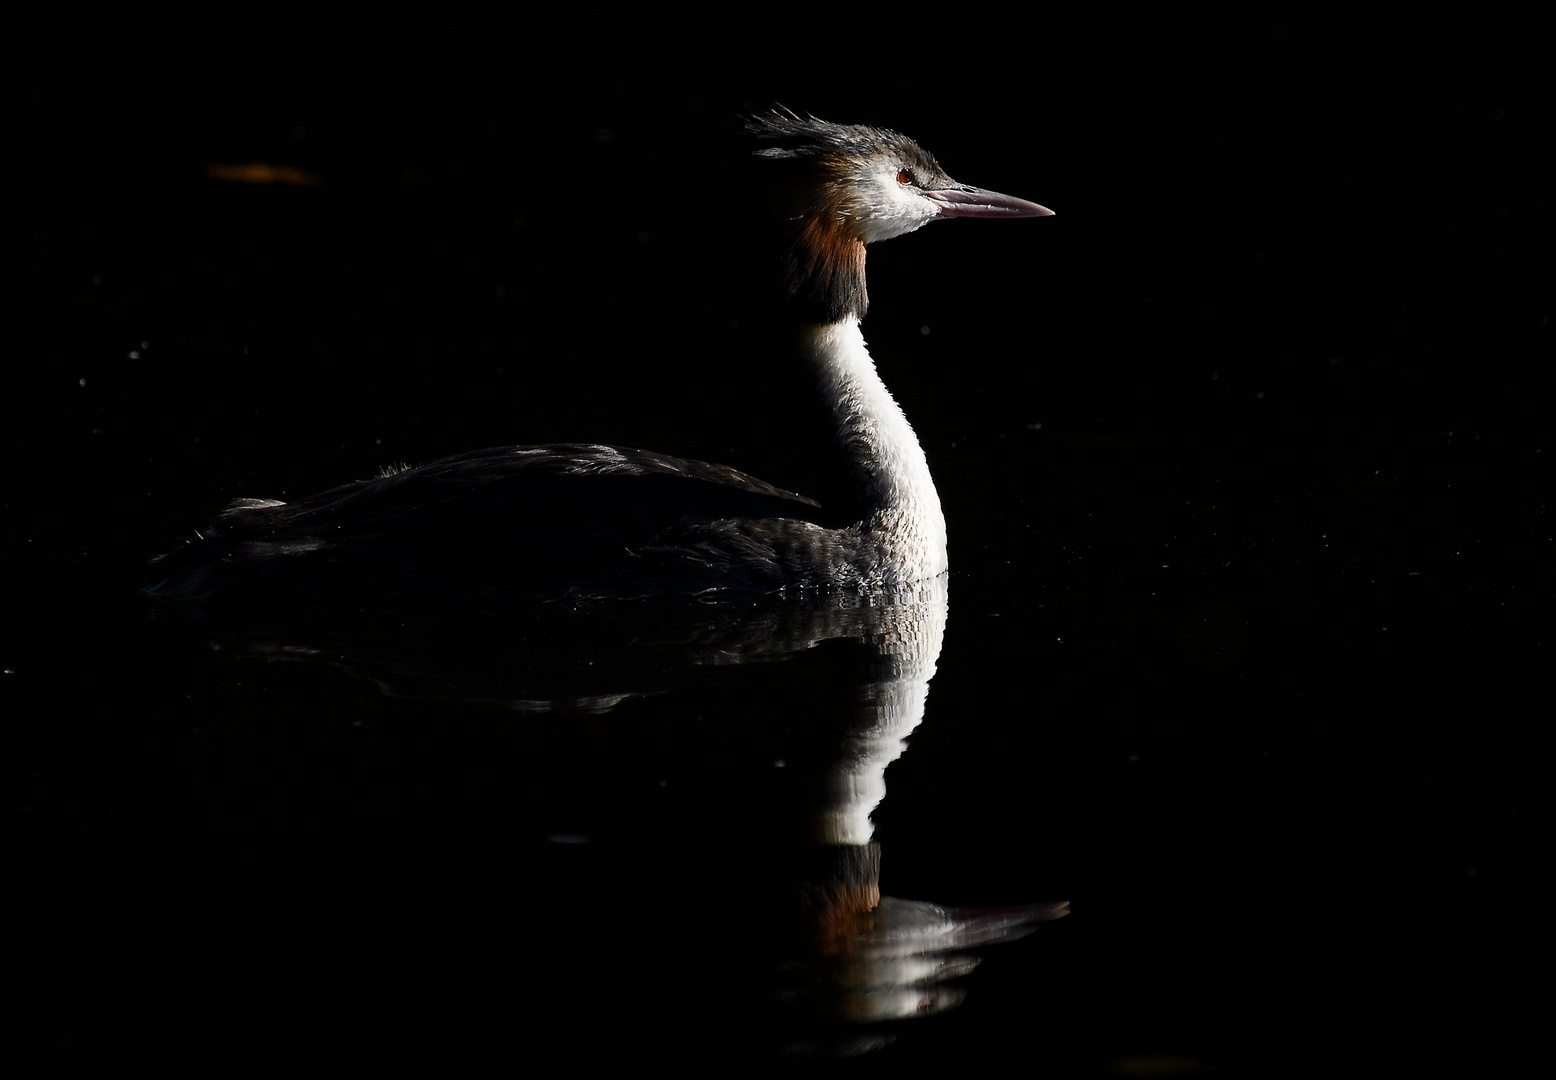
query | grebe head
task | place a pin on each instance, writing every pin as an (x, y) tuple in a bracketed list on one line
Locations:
[(834, 188), (872, 184)]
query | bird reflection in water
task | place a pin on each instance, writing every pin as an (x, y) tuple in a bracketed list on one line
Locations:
[(705, 697)]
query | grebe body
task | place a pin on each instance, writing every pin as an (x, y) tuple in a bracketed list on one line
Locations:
[(585, 520)]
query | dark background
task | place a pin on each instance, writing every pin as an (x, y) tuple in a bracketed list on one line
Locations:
[(1243, 454)]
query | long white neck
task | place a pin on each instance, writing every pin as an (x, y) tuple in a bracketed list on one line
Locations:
[(886, 463)]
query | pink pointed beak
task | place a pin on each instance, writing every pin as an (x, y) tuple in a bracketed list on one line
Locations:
[(964, 201)]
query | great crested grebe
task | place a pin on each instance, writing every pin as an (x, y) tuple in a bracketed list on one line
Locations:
[(603, 521)]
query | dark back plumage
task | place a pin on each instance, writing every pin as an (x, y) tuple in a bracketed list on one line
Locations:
[(485, 525)]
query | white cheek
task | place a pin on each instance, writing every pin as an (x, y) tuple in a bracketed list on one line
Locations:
[(895, 209)]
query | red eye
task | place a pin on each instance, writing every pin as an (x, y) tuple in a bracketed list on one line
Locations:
[(905, 177)]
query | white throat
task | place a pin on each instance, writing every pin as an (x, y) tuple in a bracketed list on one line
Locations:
[(885, 460)]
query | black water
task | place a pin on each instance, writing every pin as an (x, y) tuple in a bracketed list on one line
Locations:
[(1243, 454)]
